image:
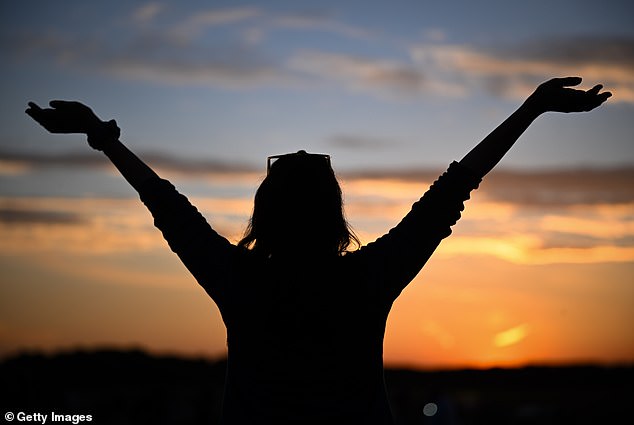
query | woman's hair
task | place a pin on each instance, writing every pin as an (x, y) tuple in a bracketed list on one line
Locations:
[(299, 208)]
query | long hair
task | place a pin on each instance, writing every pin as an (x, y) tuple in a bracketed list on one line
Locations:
[(299, 208)]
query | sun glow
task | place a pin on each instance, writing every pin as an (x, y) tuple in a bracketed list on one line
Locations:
[(511, 336)]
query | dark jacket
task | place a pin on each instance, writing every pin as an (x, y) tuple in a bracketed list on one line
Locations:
[(305, 333)]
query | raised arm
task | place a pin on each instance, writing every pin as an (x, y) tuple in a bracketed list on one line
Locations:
[(74, 117), (183, 227), (551, 96)]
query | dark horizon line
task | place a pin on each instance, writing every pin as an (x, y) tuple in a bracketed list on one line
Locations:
[(394, 367)]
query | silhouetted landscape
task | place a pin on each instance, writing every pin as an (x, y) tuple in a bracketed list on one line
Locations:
[(133, 387)]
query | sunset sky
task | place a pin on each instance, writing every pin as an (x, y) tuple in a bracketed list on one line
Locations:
[(539, 270)]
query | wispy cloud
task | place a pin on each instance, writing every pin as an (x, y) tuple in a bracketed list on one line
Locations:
[(562, 187), (12, 163), (353, 142), (455, 70), (537, 188), (361, 74), (320, 21), (147, 12), (194, 25), (14, 216), (514, 71), (538, 217), (232, 48), (98, 226), (174, 55)]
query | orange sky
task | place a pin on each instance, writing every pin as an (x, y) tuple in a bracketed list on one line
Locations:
[(540, 268), (518, 282)]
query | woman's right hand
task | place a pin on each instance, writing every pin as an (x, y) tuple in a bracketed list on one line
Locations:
[(68, 117), (65, 117)]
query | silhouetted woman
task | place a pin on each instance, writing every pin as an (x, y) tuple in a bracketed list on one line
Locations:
[(305, 318)]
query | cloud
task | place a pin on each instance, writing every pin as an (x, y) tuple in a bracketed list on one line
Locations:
[(360, 74), (615, 223), (200, 21), (319, 21), (173, 57), (530, 188), (531, 218), (175, 60), (347, 141), (222, 16), (179, 52), (96, 226), (147, 12), (227, 47), (19, 162), (577, 50), (561, 187), (536, 188), (509, 244), (585, 228), (514, 71), (13, 216)]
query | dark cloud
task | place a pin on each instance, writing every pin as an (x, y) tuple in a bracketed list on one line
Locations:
[(38, 160), (555, 188), (569, 187), (160, 161), (160, 58), (562, 188), (13, 216), (579, 50), (151, 56), (556, 240)]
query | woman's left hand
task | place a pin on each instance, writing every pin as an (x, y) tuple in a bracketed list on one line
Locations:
[(556, 96)]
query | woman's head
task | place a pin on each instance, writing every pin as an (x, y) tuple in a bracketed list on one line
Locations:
[(298, 208)]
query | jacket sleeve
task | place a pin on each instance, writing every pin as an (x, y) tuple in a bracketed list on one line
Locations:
[(394, 259), (206, 254)]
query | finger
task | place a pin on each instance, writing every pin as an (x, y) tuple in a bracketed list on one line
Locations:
[(598, 100), (34, 111), (604, 96), (595, 90)]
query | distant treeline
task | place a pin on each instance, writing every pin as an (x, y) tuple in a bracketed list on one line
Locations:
[(133, 387)]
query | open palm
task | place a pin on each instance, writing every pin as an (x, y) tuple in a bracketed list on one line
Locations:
[(555, 96), (64, 117)]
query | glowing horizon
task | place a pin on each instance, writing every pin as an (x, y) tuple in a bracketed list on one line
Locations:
[(483, 273)]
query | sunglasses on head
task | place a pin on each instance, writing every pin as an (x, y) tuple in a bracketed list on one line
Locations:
[(271, 159)]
